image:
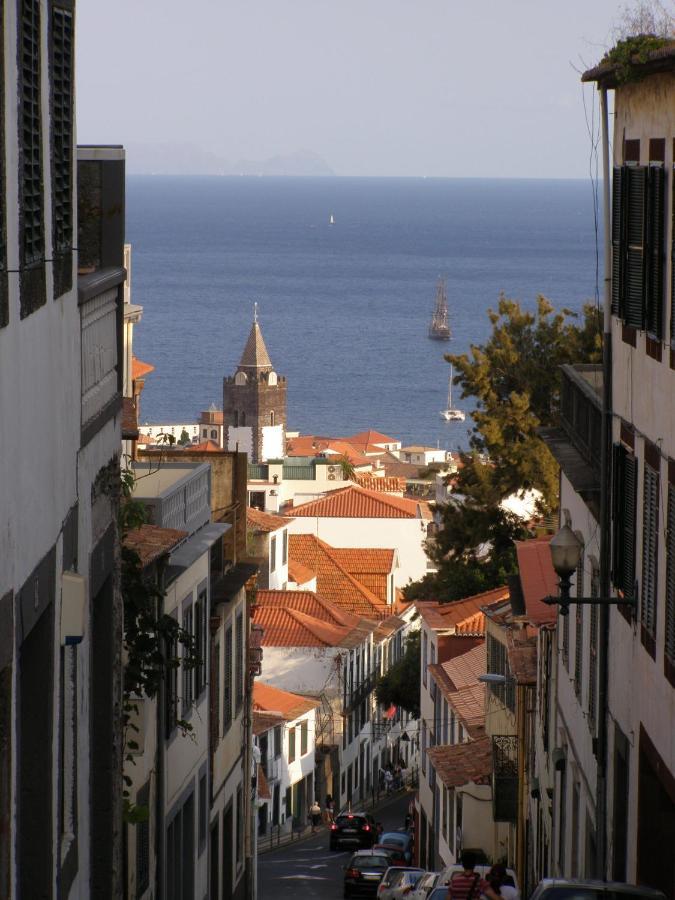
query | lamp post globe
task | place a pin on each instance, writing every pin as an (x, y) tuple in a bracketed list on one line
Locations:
[(565, 552)]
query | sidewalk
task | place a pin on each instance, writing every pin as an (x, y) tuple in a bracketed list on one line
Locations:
[(277, 838)]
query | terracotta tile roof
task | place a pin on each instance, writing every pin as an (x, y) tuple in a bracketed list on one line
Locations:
[(522, 654), (458, 681), (263, 786), (284, 704), (537, 578), (461, 616), (284, 627), (140, 369), (263, 721), (391, 485), (206, 447), (371, 437), (311, 445), (129, 420), (387, 627), (353, 502), (460, 764), (357, 560), (469, 704), (332, 580), (151, 542), (310, 603), (298, 573), (262, 521), (463, 671)]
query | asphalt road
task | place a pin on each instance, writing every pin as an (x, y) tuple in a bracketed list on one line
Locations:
[(308, 869)]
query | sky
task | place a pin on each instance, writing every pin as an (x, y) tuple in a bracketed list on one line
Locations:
[(374, 87)]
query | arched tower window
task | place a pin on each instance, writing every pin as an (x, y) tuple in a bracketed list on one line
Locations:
[(236, 418), (272, 418), (243, 419), (272, 379), (214, 433)]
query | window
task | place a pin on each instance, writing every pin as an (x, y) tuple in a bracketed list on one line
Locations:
[(424, 659), (273, 554), (499, 664), (669, 649), (201, 642), (227, 681), (451, 820), (624, 495), (243, 419), (637, 246), (204, 432), (579, 626), (214, 434), (303, 738), (272, 418), (291, 745), (4, 297), (187, 671), (143, 844), (239, 663), (203, 812), (650, 547), (180, 863), (277, 740), (284, 547), (61, 46), (240, 827), (31, 237), (424, 747), (214, 721)]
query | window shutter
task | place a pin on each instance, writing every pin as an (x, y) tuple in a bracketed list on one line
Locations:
[(672, 260), (617, 229), (636, 200), (650, 547), (655, 236), (670, 578), (623, 507)]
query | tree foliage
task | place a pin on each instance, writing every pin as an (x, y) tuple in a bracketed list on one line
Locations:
[(400, 686)]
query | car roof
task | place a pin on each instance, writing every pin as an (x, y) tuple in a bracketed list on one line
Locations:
[(403, 835), (619, 887), (369, 852)]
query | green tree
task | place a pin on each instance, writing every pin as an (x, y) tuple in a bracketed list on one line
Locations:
[(400, 686), (348, 468), (514, 377), (184, 437)]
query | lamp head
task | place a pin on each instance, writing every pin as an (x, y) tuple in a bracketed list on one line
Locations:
[(565, 552)]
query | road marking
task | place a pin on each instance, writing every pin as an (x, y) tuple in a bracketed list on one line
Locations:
[(301, 860), (304, 877)]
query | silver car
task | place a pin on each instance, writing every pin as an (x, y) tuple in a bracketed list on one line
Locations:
[(571, 889), (397, 882)]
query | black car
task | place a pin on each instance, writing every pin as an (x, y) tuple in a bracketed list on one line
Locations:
[(355, 829), (364, 872), (573, 889)]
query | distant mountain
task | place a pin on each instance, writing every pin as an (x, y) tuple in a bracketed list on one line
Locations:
[(189, 159)]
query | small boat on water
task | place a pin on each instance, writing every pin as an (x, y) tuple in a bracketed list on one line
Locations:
[(450, 414), (331, 220), (439, 329)]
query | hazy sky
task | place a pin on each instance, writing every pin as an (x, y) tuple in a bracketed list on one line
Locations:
[(375, 87)]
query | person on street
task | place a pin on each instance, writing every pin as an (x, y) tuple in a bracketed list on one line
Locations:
[(467, 884), (388, 780), (315, 815), (501, 882)]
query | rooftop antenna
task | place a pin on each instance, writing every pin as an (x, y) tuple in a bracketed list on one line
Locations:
[(255, 313)]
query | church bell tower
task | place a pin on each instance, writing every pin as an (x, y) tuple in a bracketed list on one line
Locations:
[(254, 402)]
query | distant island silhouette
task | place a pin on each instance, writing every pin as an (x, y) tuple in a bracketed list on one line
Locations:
[(190, 159)]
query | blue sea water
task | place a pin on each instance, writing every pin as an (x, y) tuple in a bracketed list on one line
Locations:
[(344, 309)]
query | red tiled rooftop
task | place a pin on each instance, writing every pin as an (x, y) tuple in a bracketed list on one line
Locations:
[(272, 700), (464, 670), (256, 520), (537, 578), (309, 603), (298, 573), (357, 560), (353, 502), (283, 627), (383, 484), (371, 437), (206, 447), (140, 369), (461, 764), (150, 541), (461, 616), (263, 721)]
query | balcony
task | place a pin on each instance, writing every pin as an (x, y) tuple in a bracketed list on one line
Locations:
[(576, 444), (504, 777), (177, 495), (358, 694)]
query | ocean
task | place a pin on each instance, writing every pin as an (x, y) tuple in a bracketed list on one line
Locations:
[(344, 308)]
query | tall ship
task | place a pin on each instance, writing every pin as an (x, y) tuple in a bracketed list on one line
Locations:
[(439, 329)]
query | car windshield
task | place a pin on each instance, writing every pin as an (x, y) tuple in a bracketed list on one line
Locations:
[(368, 862), (347, 821), (393, 838)]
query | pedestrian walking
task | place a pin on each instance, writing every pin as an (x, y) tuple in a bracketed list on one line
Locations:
[(467, 884), (315, 815), (388, 780)]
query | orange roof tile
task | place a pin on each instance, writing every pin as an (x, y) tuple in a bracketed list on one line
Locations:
[(310, 603), (140, 369), (151, 541), (333, 581), (263, 721), (354, 502), (463, 617), (384, 484), (460, 764), (358, 560), (463, 670), (262, 521), (272, 700), (284, 627), (206, 447), (537, 578), (298, 573), (371, 437)]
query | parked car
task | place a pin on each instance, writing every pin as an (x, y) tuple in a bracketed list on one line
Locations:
[(356, 829), (482, 870), (364, 872), (424, 886), (398, 882), (399, 843), (572, 889), (438, 893)]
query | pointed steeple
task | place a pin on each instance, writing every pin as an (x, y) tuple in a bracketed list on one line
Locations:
[(255, 355)]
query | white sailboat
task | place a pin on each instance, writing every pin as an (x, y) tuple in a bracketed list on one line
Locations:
[(450, 414), (331, 221)]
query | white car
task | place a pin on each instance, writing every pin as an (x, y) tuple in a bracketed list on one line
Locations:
[(424, 886), (398, 882)]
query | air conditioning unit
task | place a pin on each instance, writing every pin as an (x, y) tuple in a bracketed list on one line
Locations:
[(332, 470), (331, 477)]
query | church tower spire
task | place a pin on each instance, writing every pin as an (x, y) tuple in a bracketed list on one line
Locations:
[(254, 402)]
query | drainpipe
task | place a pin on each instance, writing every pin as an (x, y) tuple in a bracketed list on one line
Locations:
[(605, 512), (159, 755), (520, 814)]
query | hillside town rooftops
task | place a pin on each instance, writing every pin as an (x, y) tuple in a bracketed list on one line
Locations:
[(537, 579), (383, 484), (354, 502), (459, 764), (271, 700), (466, 617), (283, 627), (256, 520), (208, 446), (150, 541), (310, 603), (359, 560), (371, 437)]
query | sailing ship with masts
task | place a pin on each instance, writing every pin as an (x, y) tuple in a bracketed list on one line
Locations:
[(439, 330)]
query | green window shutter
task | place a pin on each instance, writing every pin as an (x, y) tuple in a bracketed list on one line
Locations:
[(624, 497), (617, 231), (670, 578), (618, 454), (636, 201), (655, 239), (650, 548)]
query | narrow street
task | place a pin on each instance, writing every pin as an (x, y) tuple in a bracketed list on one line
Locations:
[(308, 869)]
